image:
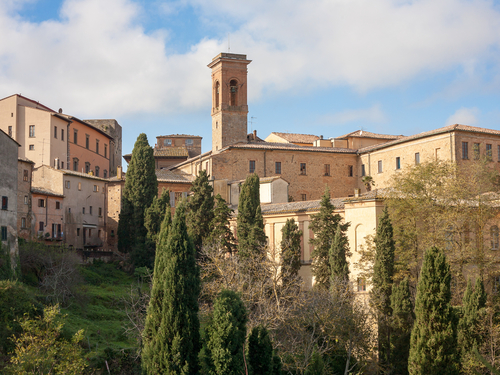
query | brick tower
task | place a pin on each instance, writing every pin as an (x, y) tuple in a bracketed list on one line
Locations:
[(229, 99)]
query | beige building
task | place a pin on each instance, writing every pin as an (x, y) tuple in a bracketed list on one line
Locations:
[(25, 222)]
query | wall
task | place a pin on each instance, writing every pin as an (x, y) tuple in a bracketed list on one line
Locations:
[(24, 200), (113, 129), (49, 214)]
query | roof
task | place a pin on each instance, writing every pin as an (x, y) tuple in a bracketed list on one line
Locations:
[(365, 134), (31, 100), (178, 136), (12, 139), (199, 157), (165, 175), (289, 146), (445, 129), (44, 191), (297, 138), (304, 206), (80, 174), (168, 152), (25, 160)]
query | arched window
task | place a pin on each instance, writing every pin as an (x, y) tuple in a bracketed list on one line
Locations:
[(217, 94), (233, 87), (105, 173), (494, 237)]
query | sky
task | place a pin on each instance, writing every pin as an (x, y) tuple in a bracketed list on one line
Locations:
[(323, 67)]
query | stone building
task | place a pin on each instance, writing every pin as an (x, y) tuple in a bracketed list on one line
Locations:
[(25, 223), (113, 129)]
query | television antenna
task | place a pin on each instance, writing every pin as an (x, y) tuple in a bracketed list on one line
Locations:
[(251, 122)]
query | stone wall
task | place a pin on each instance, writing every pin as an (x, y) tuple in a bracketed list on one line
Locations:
[(25, 223)]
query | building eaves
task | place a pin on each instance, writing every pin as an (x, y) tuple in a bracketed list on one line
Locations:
[(299, 207), (73, 118), (31, 100), (25, 160), (366, 134), (165, 175), (44, 191), (262, 180), (289, 147), (178, 136), (298, 138)]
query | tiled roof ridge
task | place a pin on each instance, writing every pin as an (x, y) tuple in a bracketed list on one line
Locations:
[(364, 133), (307, 138), (288, 146)]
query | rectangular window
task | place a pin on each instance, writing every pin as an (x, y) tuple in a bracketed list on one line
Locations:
[(361, 284), (189, 142), (87, 141), (41, 203), (23, 222), (97, 170), (62, 134), (251, 166), (4, 233), (90, 210), (489, 151), (26, 175), (477, 151), (97, 146), (105, 151), (303, 197), (78, 232), (62, 165), (83, 210), (398, 163), (327, 169), (465, 150), (100, 211), (55, 132), (32, 131), (303, 168), (363, 172), (87, 167), (350, 172), (10, 131), (67, 184), (79, 186), (5, 202), (380, 166), (417, 158), (75, 164), (96, 188), (41, 226), (75, 136), (25, 199), (58, 205), (277, 167), (31, 147), (69, 210)]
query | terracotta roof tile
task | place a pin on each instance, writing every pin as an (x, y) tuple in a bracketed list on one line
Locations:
[(44, 191), (297, 138), (165, 175), (305, 206), (290, 146), (365, 134)]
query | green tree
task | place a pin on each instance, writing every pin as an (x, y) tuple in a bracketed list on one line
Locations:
[(171, 333), (141, 186), (339, 266), (402, 323), (225, 336), (155, 214), (260, 352), (41, 350), (220, 234), (433, 347), (250, 224), (380, 295), (290, 251), (324, 225), (200, 210), (6, 271)]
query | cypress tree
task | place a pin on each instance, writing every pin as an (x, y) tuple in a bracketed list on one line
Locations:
[(200, 210), (339, 267), (383, 272), (155, 214), (225, 336), (141, 186), (220, 231), (260, 352), (171, 333), (433, 348), (402, 323), (250, 224), (290, 251), (324, 225)]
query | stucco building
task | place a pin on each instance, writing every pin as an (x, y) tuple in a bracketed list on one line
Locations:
[(25, 223)]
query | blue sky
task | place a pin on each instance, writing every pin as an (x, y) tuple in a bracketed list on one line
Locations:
[(324, 67)]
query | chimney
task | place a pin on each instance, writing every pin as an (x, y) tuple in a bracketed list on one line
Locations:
[(320, 137), (255, 135), (119, 172), (60, 110), (356, 193)]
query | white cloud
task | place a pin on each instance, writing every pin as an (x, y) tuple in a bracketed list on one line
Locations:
[(464, 116), (371, 115)]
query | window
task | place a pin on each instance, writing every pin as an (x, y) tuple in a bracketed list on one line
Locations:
[(303, 197), (417, 158), (69, 210), (87, 141), (489, 151), (477, 151), (41, 226), (75, 164), (41, 203), (380, 170), (4, 233), (75, 136), (361, 284), (99, 233), (10, 131), (78, 232), (100, 211), (465, 150), (97, 169), (327, 169), (67, 183), (251, 167), (363, 173), (277, 167), (96, 188), (87, 167), (105, 151), (494, 237), (90, 210), (350, 171), (189, 142), (23, 222), (31, 147), (58, 205), (55, 132), (398, 163), (303, 168), (97, 146), (32, 131), (79, 186), (26, 175), (62, 165), (62, 134), (167, 142), (105, 174), (83, 210), (25, 199), (5, 202)]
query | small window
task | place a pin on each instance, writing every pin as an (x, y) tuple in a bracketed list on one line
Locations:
[(105, 150), (477, 151), (41, 203), (32, 131), (100, 211), (26, 175), (489, 151), (87, 167), (303, 168), (25, 199), (90, 210), (363, 173), (75, 136), (105, 173), (87, 141), (350, 171), (62, 134), (417, 158), (398, 163), (10, 131), (67, 184), (189, 142), (78, 232), (327, 169), (58, 205), (97, 170), (69, 210), (4, 233), (167, 142), (303, 197), (31, 147), (97, 146), (23, 222), (79, 186), (41, 226), (251, 166), (380, 169), (494, 237), (83, 210), (465, 150), (75, 164), (361, 284), (96, 188), (277, 167), (99, 233), (5, 202), (55, 132)]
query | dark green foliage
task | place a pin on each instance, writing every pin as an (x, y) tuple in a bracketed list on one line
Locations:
[(324, 225), (260, 352), (200, 210), (290, 251), (250, 230), (6, 272), (433, 347), (220, 234), (171, 333), (339, 267), (141, 186), (383, 272), (402, 323), (225, 336), (155, 214)]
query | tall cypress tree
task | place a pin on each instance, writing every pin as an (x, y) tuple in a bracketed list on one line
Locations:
[(380, 295), (260, 352), (290, 251), (221, 235), (225, 336), (141, 186), (433, 347), (324, 225), (339, 267), (402, 323), (200, 210), (155, 214), (250, 224), (171, 334)]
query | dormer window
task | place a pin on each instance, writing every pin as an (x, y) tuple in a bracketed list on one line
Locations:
[(167, 142)]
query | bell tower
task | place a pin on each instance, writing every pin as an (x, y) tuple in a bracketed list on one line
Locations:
[(229, 99)]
